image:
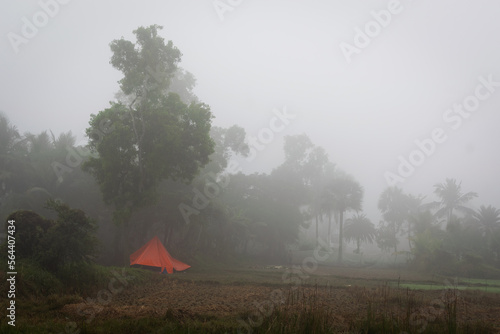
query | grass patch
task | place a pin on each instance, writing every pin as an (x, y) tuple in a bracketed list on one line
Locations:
[(492, 286), (489, 282)]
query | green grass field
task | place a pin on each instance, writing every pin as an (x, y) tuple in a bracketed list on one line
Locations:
[(485, 285)]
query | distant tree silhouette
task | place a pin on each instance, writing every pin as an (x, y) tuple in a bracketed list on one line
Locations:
[(359, 229), (452, 198)]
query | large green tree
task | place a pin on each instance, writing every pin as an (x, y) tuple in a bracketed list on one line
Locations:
[(153, 138)]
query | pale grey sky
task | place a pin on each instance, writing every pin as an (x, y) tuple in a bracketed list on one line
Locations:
[(366, 112)]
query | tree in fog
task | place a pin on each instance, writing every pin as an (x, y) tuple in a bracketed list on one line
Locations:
[(293, 169), (427, 241), (33, 169), (305, 167), (394, 207), (228, 142), (488, 221), (359, 229), (346, 195), (451, 198), (397, 209), (415, 209), (262, 214), (12, 158), (183, 83), (153, 138), (64, 140), (385, 237), (9, 135), (220, 224)]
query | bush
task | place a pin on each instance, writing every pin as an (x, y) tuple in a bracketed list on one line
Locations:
[(67, 241), (30, 228), (71, 238)]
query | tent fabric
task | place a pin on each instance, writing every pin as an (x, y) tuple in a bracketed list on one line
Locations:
[(154, 254)]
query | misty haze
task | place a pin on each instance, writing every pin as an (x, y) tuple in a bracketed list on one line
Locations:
[(235, 166)]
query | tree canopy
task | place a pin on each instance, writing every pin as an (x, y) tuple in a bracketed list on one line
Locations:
[(156, 136)]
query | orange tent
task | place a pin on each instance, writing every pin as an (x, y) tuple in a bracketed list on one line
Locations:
[(154, 254)]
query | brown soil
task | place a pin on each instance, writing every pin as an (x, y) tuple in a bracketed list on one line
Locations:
[(184, 299)]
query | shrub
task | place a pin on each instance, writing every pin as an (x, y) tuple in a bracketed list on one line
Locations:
[(30, 228), (71, 238)]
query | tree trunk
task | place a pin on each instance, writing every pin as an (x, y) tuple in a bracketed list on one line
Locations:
[(450, 214), (168, 231), (198, 238), (139, 139), (317, 234), (126, 242), (341, 235), (396, 243), (117, 244), (409, 236), (329, 227)]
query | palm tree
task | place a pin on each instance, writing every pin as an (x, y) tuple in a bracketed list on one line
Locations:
[(347, 195), (488, 219), (39, 143), (65, 139), (9, 135), (359, 229), (452, 198)]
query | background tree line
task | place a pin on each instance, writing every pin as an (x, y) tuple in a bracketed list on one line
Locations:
[(155, 145)]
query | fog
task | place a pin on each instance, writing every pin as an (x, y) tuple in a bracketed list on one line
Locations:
[(366, 108)]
